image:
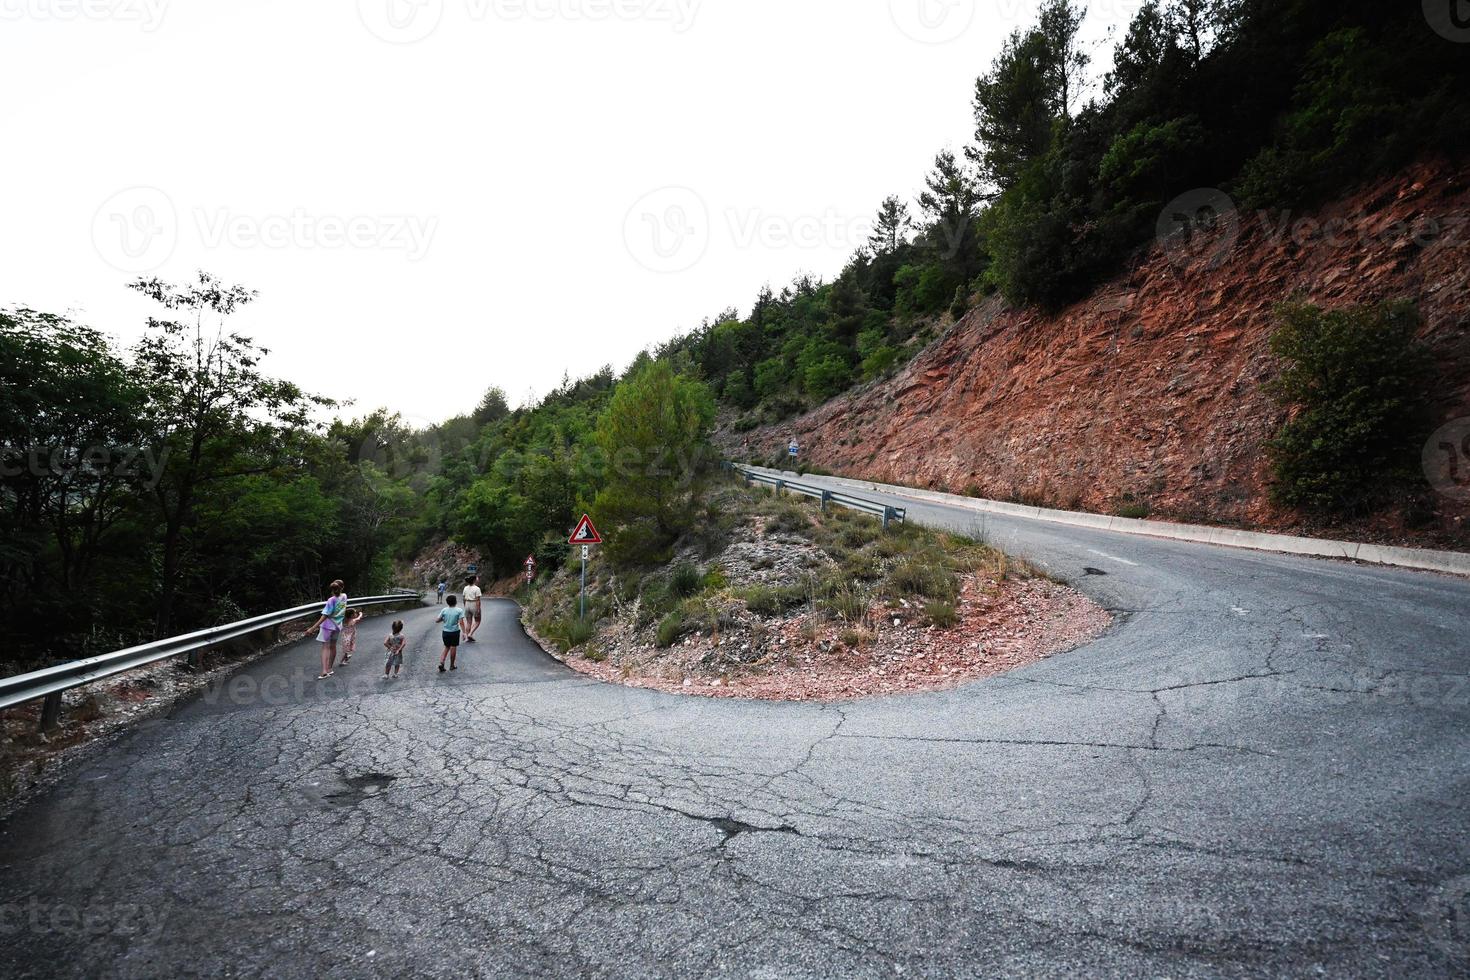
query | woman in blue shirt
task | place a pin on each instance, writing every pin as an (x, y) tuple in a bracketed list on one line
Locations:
[(328, 625)]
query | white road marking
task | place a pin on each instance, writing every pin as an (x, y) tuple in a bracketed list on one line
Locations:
[(1240, 612), (1124, 561)]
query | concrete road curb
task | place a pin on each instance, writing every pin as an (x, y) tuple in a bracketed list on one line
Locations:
[(1454, 562)]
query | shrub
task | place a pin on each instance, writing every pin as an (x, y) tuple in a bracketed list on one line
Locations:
[(1135, 509), (1354, 379), (789, 519), (767, 601), (941, 614), (685, 580), (923, 575), (670, 629), (880, 362), (571, 632), (863, 566), (828, 377), (847, 604)]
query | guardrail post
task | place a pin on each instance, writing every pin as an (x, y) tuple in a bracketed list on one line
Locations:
[(826, 496), (195, 657), (51, 712), (887, 516), (779, 485)]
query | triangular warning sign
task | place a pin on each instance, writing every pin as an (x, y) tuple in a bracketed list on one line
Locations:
[(585, 533)]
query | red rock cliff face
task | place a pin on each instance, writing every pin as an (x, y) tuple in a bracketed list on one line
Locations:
[(1151, 388)]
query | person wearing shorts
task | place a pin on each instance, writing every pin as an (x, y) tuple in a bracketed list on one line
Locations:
[(327, 627), (450, 617), (394, 646), (471, 608)]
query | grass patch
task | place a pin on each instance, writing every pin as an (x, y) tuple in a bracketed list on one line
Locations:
[(929, 576), (847, 604), (671, 629), (684, 581), (765, 600), (786, 517), (941, 614), (863, 566)]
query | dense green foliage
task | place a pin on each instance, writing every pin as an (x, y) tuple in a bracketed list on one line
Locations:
[(172, 486), (1275, 102), (1354, 380)]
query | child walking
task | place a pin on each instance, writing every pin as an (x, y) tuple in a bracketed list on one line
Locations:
[(349, 632), (450, 617), (394, 645)]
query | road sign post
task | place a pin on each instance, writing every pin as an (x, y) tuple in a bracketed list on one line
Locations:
[(530, 564), (585, 535)]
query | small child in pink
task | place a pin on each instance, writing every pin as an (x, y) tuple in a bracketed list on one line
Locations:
[(349, 633)]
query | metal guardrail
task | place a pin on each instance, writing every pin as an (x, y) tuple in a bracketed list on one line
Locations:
[(884, 512), (51, 682)]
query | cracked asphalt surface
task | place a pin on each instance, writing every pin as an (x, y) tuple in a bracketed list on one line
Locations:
[(1261, 768)]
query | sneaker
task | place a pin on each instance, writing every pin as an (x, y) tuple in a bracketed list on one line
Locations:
[(454, 668), (441, 668)]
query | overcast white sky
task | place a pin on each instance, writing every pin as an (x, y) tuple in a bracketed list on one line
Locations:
[(436, 196)]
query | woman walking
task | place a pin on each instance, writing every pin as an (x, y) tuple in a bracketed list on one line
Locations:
[(329, 626)]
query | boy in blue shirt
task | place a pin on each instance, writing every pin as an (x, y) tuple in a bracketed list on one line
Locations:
[(450, 617)]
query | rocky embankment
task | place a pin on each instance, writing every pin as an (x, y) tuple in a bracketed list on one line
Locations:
[(1147, 396), (774, 599)]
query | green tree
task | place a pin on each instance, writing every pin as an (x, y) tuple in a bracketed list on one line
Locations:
[(209, 404), (654, 435), (890, 227), (1353, 381), (70, 467), (1016, 105)]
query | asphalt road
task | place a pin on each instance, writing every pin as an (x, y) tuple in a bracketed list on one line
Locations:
[(1263, 768)]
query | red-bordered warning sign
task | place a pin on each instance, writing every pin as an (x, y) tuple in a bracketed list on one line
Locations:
[(585, 533)]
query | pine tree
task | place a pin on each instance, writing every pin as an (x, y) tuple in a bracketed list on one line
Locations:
[(890, 228)]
